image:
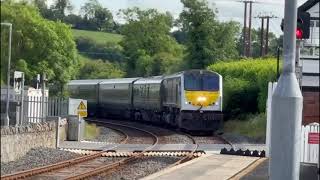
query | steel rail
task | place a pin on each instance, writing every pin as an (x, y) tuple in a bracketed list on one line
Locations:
[(60, 165), (104, 169)]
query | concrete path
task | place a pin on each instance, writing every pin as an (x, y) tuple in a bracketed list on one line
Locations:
[(213, 167)]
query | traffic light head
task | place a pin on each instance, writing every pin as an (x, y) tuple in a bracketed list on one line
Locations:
[(303, 25)]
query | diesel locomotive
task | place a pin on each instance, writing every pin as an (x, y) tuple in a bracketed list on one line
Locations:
[(190, 100)]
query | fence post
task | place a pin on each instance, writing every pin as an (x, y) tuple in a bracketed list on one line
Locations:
[(268, 119)]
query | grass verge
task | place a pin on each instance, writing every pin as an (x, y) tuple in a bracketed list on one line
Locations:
[(98, 37), (253, 125)]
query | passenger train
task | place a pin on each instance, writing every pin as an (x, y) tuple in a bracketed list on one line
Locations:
[(189, 100)]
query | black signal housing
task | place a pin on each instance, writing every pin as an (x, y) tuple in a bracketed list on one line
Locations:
[(303, 25)]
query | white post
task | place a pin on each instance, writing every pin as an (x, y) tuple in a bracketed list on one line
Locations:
[(7, 122), (286, 108)]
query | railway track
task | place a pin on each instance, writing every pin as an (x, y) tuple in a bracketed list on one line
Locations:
[(82, 167), (94, 163)]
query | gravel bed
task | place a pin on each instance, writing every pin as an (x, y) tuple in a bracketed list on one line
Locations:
[(35, 158), (165, 136), (135, 136), (208, 140), (240, 139), (139, 168), (107, 135)]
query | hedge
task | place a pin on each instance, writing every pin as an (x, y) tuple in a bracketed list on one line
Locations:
[(245, 84)]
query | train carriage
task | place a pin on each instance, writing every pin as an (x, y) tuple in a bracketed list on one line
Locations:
[(115, 97), (190, 100), (147, 99), (86, 89)]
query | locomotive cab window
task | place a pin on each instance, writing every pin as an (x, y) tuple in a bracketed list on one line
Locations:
[(201, 82)]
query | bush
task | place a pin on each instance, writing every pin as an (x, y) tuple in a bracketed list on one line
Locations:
[(98, 69), (245, 84), (110, 51)]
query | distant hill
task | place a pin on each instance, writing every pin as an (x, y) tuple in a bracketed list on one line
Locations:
[(98, 37)]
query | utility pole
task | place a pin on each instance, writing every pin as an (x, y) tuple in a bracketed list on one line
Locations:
[(261, 37), (267, 37), (247, 33), (7, 122), (245, 29), (286, 107), (264, 44)]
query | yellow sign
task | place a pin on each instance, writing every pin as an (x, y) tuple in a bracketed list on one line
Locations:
[(83, 113), (82, 106), (82, 110)]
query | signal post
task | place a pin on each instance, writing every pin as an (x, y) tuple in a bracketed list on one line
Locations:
[(286, 107)]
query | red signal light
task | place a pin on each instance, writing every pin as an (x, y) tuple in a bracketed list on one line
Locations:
[(299, 33)]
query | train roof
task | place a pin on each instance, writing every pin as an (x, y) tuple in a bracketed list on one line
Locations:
[(189, 71), (85, 81), (150, 80), (119, 81)]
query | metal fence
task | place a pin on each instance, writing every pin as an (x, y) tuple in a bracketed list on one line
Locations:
[(34, 109)]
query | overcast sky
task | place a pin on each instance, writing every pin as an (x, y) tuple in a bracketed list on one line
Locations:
[(227, 9)]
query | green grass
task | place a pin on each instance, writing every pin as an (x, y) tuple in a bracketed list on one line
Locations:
[(253, 126), (99, 37)]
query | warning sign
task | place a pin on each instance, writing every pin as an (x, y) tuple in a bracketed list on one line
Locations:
[(313, 138), (82, 106), (82, 110)]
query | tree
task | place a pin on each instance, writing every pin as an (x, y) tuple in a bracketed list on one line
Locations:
[(146, 38), (97, 69), (207, 39), (61, 6), (102, 17), (39, 46)]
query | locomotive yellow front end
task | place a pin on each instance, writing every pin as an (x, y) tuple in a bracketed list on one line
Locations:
[(201, 107)]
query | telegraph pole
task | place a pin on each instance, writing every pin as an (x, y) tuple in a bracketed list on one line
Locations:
[(286, 107), (245, 29), (247, 33), (264, 44), (7, 121), (267, 37), (261, 37)]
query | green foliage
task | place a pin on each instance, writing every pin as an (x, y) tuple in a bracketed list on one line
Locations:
[(253, 126), (245, 84), (146, 38), (97, 37), (109, 51), (101, 17), (97, 69), (38, 45), (207, 39)]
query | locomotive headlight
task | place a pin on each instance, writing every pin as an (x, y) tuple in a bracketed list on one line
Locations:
[(201, 99)]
